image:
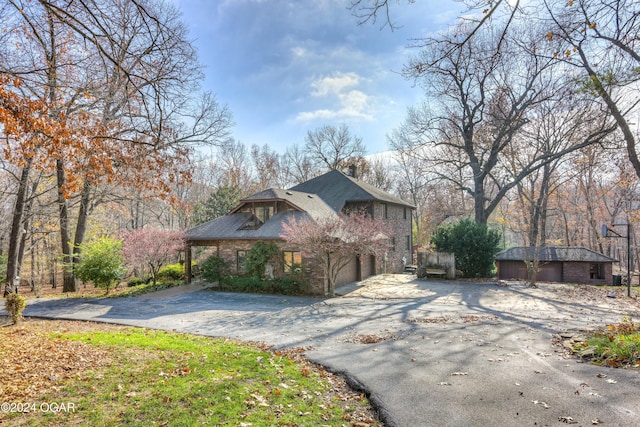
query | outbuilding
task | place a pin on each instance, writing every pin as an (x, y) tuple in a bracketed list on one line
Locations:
[(565, 264)]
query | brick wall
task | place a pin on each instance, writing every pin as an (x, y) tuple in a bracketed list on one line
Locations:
[(399, 219), (580, 272), (228, 250)]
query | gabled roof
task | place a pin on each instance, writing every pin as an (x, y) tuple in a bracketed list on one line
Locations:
[(306, 202), (336, 189), (230, 227), (317, 198), (554, 253)]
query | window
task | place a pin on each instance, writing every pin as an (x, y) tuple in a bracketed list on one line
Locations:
[(407, 243), (242, 262), (404, 213), (264, 213), (392, 242), (596, 271), (385, 211), (291, 259)]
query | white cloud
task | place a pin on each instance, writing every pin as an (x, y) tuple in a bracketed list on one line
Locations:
[(348, 103), (298, 51), (334, 85)]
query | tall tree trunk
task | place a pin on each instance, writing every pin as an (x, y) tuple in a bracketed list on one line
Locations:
[(479, 201), (81, 225), (26, 222), (69, 281), (17, 227)]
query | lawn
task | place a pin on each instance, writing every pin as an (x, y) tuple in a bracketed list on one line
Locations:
[(616, 345), (89, 291), (81, 373)]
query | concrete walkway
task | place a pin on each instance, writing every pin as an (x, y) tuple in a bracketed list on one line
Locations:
[(430, 353)]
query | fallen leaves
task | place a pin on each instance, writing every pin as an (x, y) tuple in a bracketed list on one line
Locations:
[(33, 364), (463, 318), (37, 362), (369, 339)]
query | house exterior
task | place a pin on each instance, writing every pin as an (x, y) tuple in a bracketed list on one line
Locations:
[(260, 217), (557, 264)]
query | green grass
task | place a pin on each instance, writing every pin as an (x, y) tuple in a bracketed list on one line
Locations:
[(616, 346), (165, 378)]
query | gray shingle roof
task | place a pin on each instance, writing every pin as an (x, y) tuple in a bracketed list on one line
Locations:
[(317, 198), (310, 203), (228, 227), (554, 253), (336, 189)]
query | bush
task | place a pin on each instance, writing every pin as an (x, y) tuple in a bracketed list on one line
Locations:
[(258, 257), (214, 269), (100, 262), (474, 245), (15, 304), (171, 272), (250, 284), (135, 281)]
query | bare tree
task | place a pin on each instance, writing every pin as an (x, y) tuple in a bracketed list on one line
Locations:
[(234, 167), (480, 97), (331, 146), (602, 39), (268, 167), (300, 167)]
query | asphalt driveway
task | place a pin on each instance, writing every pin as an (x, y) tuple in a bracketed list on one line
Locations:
[(430, 353)]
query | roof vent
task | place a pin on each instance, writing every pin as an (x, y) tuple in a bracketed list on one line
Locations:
[(289, 193), (310, 196)]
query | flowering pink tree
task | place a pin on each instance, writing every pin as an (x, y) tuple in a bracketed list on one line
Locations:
[(335, 241), (151, 247)]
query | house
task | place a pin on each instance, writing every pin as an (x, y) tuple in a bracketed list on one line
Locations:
[(557, 264), (260, 217)]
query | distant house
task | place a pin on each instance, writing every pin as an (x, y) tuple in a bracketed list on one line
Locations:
[(557, 264), (260, 217)]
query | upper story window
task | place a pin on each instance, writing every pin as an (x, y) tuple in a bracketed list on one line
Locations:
[(404, 213), (385, 211), (263, 213)]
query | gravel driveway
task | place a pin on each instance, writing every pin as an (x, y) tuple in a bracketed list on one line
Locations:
[(430, 353)]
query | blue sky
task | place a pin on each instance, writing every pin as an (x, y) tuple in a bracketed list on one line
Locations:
[(286, 67)]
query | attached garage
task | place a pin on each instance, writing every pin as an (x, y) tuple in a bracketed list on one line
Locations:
[(557, 264)]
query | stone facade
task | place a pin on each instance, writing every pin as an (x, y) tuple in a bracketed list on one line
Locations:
[(399, 219), (228, 250)]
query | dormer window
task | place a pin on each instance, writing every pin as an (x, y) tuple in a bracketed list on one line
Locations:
[(260, 215), (252, 223), (263, 213)]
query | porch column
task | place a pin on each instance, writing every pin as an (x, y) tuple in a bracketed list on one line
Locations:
[(187, 263)]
